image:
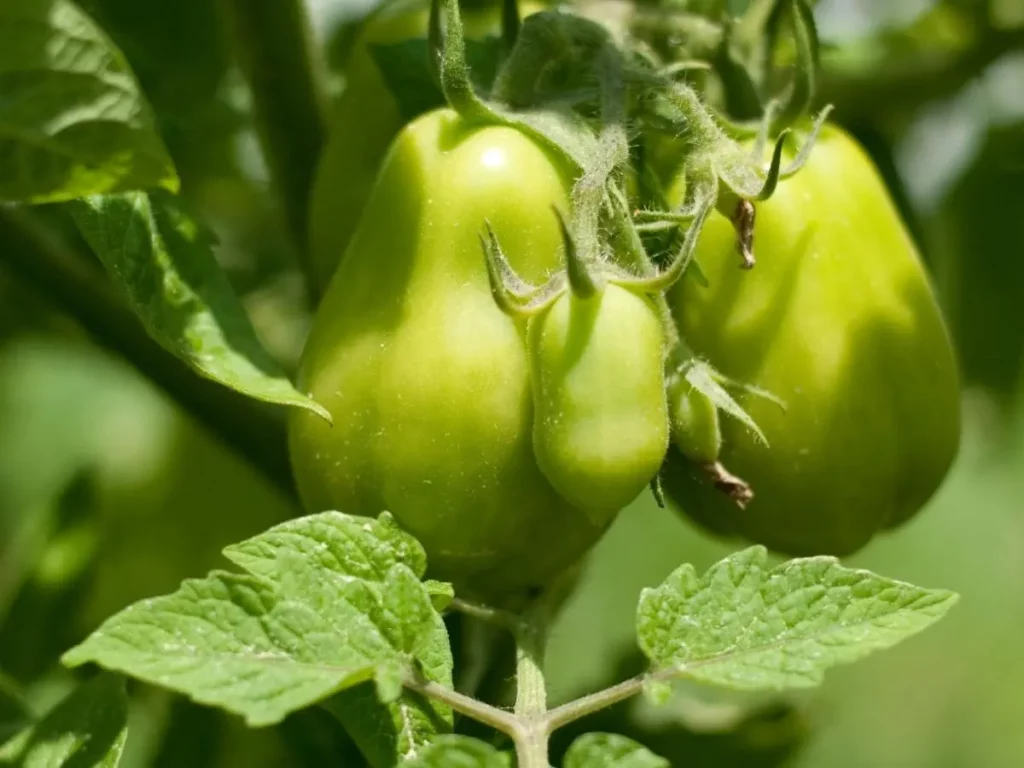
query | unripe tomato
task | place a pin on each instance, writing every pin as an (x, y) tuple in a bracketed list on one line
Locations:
[(366, 120), (838, 320), (601, 425), (428, 381), (696, 433)]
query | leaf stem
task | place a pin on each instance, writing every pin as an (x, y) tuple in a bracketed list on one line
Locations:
[(253, 430), (496, 718), (272, 45), (594, 702)]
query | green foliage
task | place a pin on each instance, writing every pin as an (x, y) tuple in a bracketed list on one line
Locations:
[(459, 752), (607, 750), (161, 259), (75, 122), (330, 603), (292, 631), (332, 636), (744, 625), (86, 730)]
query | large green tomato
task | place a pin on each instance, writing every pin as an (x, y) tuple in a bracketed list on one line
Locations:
[(366, 120), (429, 382), (838, 320)]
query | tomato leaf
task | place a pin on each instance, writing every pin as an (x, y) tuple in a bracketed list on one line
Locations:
[(463, 751), (441, 594), (88, 729), (75, 121), (329, 601), (746, 626), (609, 750), (385, 733), (162, 261)]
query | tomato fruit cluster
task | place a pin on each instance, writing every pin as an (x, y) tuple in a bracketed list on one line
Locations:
[(430, 383), (507, 444)]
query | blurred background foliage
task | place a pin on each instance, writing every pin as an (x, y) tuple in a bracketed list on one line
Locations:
[(109, 494)]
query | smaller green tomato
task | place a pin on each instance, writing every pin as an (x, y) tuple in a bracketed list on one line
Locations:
[(600, 427), (696, 432)]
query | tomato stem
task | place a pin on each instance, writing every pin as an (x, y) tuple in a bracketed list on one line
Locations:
[(496, 718), (272, 41), (531, 691), (532, 747)]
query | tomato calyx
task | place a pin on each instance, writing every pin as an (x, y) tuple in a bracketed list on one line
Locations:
[(605, 91)]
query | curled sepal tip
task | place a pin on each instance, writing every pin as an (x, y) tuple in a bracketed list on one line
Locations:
[(513, 295), (510, 292), (742, 172), (771, 177), (582, 281), (805, 150), (744, 176)]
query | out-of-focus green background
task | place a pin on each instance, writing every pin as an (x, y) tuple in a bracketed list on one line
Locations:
[(110, 494)]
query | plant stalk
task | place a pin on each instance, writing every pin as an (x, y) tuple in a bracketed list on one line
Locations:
[(272, 44), (531, 692), (595, 702), (498, 719), (532, 746)]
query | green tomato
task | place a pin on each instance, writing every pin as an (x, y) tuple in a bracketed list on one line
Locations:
[(838, 320), (601, 426), (428, 381), (696, 433), (367, 119)]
